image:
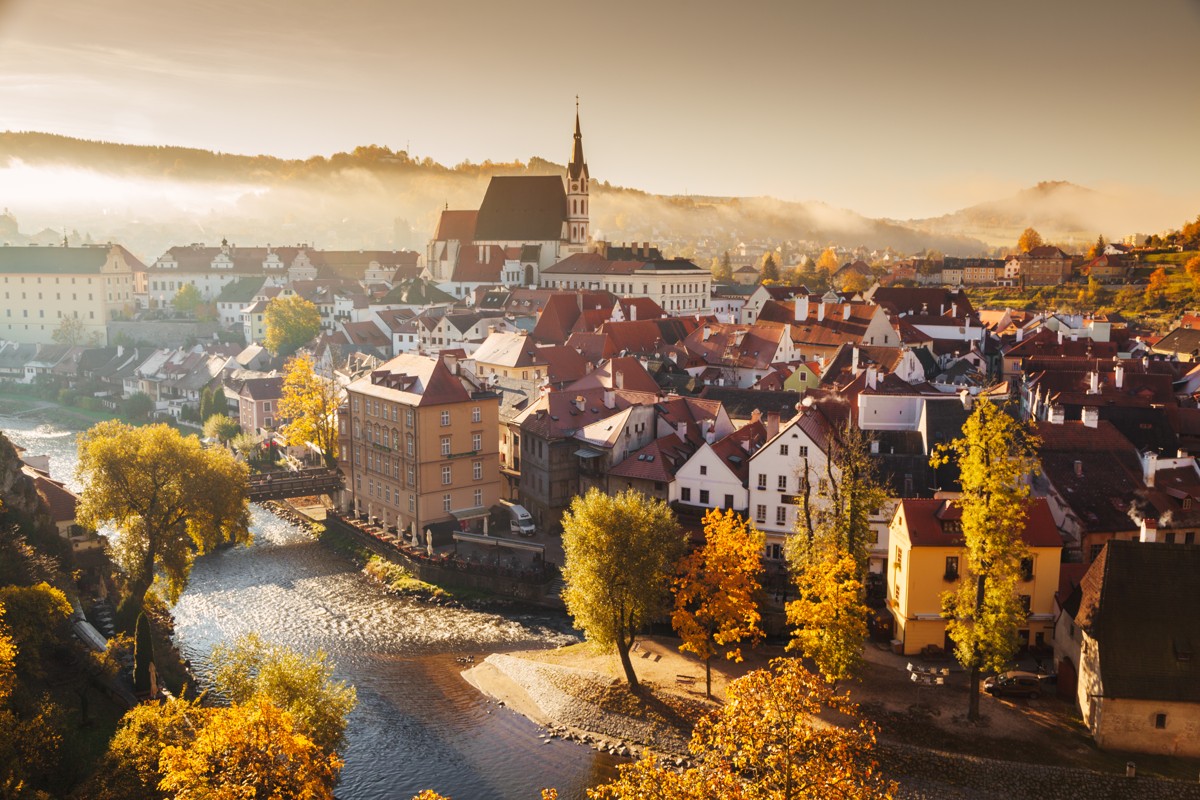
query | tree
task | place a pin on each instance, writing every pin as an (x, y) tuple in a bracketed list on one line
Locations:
[(855, 282), (187, 299), (828, 555), (310, 402), (301, 685), (221, 428), (995, 456), (168, 496), (764, 744), (131, 765), (1097, 249), (828, 260), (716, 591), (138, 407), (249, 752), (1192, 268), (770, 268), (291, 322), (725, 273), (619, 552), (1157, 285), (1029, 240), (69, 331)]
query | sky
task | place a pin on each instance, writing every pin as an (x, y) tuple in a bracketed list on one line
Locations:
[(896, 109)]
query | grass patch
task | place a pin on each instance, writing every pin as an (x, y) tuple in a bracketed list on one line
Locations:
[(400, 580), (344, 544), (1178, 259)]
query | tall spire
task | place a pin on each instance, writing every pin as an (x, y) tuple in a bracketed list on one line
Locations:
[(577, 165)]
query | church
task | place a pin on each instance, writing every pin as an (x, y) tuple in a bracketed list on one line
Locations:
[(525, 224)]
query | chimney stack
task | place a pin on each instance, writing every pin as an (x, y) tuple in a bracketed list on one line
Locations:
[(846, 311), (681, 430), (580, 402), (610, 400), (1094, 382), (871, 374), (1078, 469), (1057, 415), (1119, 376), (802, 308), (1149, 467), (1091, 416), (821, 311), (772, 423), (854, 358)]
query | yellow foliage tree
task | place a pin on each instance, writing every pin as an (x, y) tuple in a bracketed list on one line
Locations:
[(291, 322), (766, 744), (249, 752), (167, 495), (309, 402), (619, 553), (855, 282), (1157, 284), (828, 260), (1029, 240), (995, 455), (1192, 268), (716, 591)]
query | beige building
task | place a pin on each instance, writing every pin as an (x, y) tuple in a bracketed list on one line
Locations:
[(419, 446), (928, 559), (43, 285)]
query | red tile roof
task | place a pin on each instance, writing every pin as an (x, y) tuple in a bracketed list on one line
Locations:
[(927, 522)]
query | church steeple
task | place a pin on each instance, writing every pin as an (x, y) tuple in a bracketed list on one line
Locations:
[(577, 191)]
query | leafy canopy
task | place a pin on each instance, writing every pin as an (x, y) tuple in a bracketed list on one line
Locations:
[(310, 402), (291, 322)]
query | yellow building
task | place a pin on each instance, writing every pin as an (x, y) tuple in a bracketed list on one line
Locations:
[(419, 447), (43, 285), (927, 560)]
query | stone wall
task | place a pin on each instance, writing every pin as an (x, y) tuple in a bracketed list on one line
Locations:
[(947, 776)]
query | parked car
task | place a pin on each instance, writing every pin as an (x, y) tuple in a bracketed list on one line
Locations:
[(1014, 684)]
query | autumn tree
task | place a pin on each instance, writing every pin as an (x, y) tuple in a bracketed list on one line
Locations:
[(1156, 287), (221, 428), (828, 260), (767, 743), (291, 322), (70, 331), (1192, 268), (1030, 239), (302, 685), (829, 553), (855, 282), (716, 591), (168, 497), (770, 268), (309, 401), (251, 751), (995, 456), (1097, 249), (722, 268), (131, 766), (619, 554), (187, 299)]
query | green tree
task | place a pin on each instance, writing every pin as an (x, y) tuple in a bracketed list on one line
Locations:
[(291, 322), (299, 684), (1097, 249), (309, 401), (829, 553), (221, 428), (137, 407), (770, 268), (1029, 240), (766, 743), (722, 269), (717, 588), (168, 496), (995, 455), (187, 299), (619, 554)]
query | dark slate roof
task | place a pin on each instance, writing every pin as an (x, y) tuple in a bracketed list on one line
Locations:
[(740, 403), (522, 207), (1139, 603), (1181, 340), (59, 260)]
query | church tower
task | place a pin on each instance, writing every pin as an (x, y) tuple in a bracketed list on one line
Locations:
[(578, 232)]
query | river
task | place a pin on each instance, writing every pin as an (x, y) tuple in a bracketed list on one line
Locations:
[(418, 724)]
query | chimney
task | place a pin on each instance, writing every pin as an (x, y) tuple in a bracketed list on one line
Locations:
[(854, 358), (954, 310), (802, 308), (610, 400), (772, 423), (871, 374), (942, 310), (632, 313), (580, 402), (755, 416), (618, 379), (1119, 376), (1091, 416), (681, 430), (1094, 382), (1057, 415), (1149, 531), (1020, 334), (1060, 336), (964, 395), (821, 311), (1149, 467), (707, 332), (711, 435), (1078, 469), (846, 311)]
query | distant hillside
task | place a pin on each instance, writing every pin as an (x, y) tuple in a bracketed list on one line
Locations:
[(1061, 211), (153, 197)]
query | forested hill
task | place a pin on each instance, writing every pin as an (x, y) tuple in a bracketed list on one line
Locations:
[(151, 197)]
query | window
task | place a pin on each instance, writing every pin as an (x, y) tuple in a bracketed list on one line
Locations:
[(411, 478), (476, 442), (704, 497), (781, 515), (445, 419), (899, 559), (783, 449), (783, 483), (409, 443), (477, 470), (1025, 602), (762, 481), (445, 502), (412, 503), (728, 501), (445, 445), (1160, 721), (1026, 569), (477, 499), (760, 513), (703, 469), (447, 475), (951, 568), (803, 451), (775, 552), (685, 494), (476, 414), (408, 417)]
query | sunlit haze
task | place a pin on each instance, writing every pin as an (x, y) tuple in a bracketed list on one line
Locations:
[(890, 109)]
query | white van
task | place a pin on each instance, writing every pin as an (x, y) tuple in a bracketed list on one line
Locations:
[(521, 521)]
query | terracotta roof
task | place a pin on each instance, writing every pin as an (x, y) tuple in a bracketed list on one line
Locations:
[(617, 373), (479, 264), (646, 336), (1147, 628), (736, 346), (594, 347), (914, 301), (530, 208), (742, 403), (657, 461), (927, 522), (1096, 471), (735, 449), (367, 333), (592, 264), (60, 501), (263, 388), (1046, 251), (458, 225), (413, 380), (640, 308)]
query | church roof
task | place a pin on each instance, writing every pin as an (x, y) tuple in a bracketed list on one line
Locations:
[(522, 208), (458, 225)]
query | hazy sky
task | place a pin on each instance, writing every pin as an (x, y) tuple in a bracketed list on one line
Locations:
[(889, 108)]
